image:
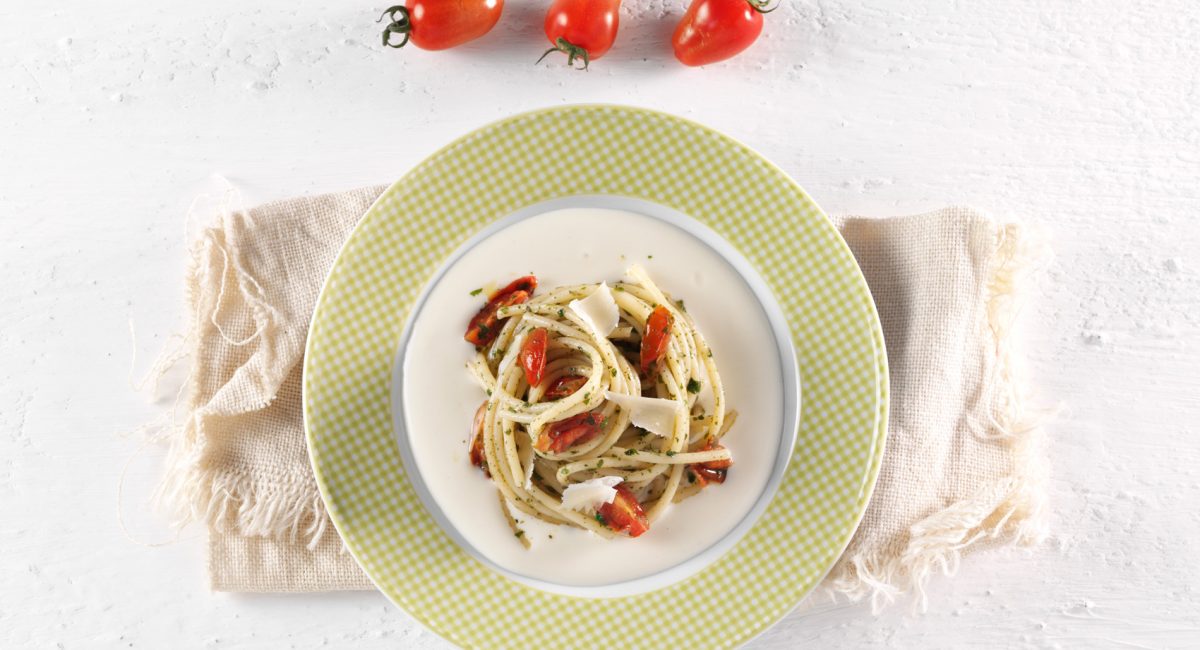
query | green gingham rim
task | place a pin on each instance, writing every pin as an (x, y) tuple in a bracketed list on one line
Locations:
[(575, 150)]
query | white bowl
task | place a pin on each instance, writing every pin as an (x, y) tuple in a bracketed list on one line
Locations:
[(579, 240)]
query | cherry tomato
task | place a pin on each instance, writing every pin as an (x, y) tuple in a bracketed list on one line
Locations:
[(715, 30), (713, 470), (583, 29), (440, 24), (478, 457), (533, 355), (565, 385), (705, 474), (483, 327), (716, 464), (656, 337), (624, 514), (557, 437)]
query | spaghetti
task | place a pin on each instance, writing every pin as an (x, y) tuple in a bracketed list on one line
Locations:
[(604, 404)]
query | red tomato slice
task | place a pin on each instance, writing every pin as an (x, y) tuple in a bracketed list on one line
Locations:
[(656, 337), (716, 464), (624, 514), (484, 325), (565, 385), (576, 429), (713, 471), (707, 475), (533, 355), (526, 283), (478, 457)]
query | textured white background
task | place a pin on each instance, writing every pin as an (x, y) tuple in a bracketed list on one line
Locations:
[(1081, 116)]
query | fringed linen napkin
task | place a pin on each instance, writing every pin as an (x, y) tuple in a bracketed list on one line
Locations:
[(962, 467)]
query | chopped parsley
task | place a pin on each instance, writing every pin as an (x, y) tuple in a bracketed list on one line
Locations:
[(600, 463), (613, 372), (600, 518), (693, 386), (518, 533), (618, 288), (671, 453), (478, 291), (560, 313), (649, 257), (679, 303), (631, 452)]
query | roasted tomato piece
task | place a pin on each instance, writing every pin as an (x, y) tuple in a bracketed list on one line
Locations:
[(716, 464), (624, 514), (565, 385), (706, 475), (713, 471), (484, 325), (656, 338), (533, 355), (557, 437), (478, 458)]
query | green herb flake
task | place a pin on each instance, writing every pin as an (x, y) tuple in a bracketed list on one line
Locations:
[(613, 372), (693, 386), (600, 519), (518, 533), (478, 291), (560, 313), (618, 288), (691, 476), (680, 304), (631, 452), (671, 453), (600, 463), (649, 257)]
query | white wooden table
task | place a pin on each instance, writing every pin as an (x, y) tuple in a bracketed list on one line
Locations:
[(115, 114)]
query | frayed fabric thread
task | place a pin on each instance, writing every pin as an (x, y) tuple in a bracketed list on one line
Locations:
[(190, 491), (1009, 511)]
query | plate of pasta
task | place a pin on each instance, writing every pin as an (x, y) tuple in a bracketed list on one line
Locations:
[(552, 404), (593, 406)]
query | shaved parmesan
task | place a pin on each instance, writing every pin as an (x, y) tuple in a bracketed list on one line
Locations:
[(591, 493), (598, 310), (650, 413)]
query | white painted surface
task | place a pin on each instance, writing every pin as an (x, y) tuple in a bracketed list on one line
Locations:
[(1081, 116)]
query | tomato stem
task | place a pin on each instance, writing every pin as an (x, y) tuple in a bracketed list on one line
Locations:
[(401, 24), (572, 51), (762, 6)]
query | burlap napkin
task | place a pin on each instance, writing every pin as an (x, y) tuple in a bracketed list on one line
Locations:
[(962, 468)]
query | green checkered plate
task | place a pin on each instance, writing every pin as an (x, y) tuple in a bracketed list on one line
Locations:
[(500, 169)]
